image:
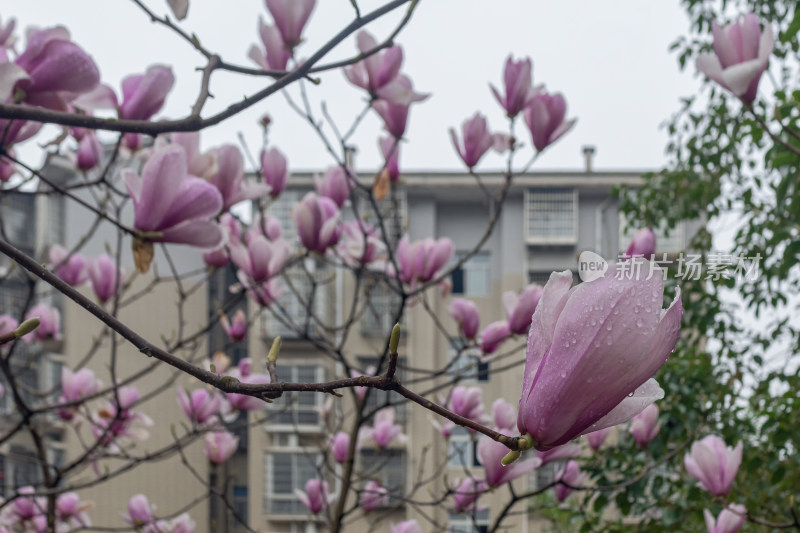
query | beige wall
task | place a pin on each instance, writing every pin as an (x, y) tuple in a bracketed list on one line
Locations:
[(166, 482)]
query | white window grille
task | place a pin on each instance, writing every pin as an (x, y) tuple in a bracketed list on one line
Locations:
[(285, 472), (392, 210), (387, 467), (462, 449), (551, 215), (671, 244), (473, 278), (381, 305), (466, 364), (467, 523), (297, 410), (301, 286)]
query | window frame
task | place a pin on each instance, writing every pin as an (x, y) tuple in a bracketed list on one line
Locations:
[(530, 209)]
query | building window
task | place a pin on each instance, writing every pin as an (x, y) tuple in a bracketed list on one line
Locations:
[(468, 523), (381, 307), (670, 244), (466, 364), (297, 409), (240, 501), (473, 277), (462, 449), (377, 399), (387, 467), (289, 316), (393, 211), (544, 475), (285, 472), (551, 215)]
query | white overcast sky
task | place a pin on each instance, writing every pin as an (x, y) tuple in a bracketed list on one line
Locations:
[(609, 59)]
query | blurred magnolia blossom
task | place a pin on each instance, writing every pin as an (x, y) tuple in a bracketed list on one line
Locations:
[(373, 496), (76, 386), (383, 432), (116, 423), (714, 464), (316, 496), (49, 325), (571, 476), (199, 406), (220, 446), (741, 54)]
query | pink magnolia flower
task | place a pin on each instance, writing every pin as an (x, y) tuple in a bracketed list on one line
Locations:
[(7, 168), (422, 260), (518, 85), (7, 36), (275, 55), (504, 415), (741, 54), (104, 277), (571, 475), (182, 523), (565, 451), (340, 446), (140, 512), (27, 507), (261, 259), (466, 494), (383, 431), (7, 324), (390, 148), (51, 71), (467, 402), (117, 422), (290, 17), (519, 309), (275, 170), (201, 164), (466, 315), (335, 184), (220, 446), (545, 119), (90, 152), (242, 402), (316, 496), (713, 464), (360, 243), (730, 520), (393, 108), (494, 335), (377, 70), (49, 325), (643, 244), (318, 222), (233, 234), (269, 227), (143, 95), (476, 140), (200, 406), (229, 177), (237, 330), (591, 353), (409, 526), (71, 269), (373, 496), (645, 425), (72, 511), (597, 438), (491, 453), (173, 205), (245, 366), (75, 386)]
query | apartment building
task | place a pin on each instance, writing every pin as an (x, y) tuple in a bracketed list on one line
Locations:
[(548, 218)]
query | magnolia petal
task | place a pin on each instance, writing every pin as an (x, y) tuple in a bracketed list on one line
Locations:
[(200, 233), (179, 8), (644, 395)]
